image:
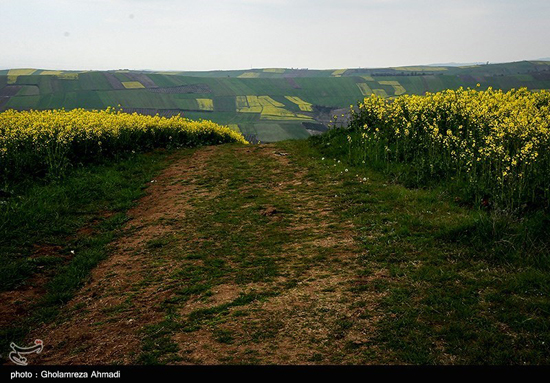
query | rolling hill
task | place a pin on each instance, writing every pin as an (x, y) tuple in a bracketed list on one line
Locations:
[(266, 105)]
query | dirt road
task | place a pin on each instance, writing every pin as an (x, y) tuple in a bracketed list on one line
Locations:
[(235, 255)]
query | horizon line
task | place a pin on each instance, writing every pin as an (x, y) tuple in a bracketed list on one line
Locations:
[(446, 65)]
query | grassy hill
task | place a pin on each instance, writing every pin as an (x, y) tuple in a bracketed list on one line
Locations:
[(269, 104), (420, 239)]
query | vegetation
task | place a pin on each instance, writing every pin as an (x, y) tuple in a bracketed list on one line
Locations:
[(492, 145), (48, 142), (52, 234), (362, 270), (418, 233), (465, 245), (287, 100), (58, 217), (457, 285)]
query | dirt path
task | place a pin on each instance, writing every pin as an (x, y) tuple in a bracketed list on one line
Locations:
[(236, 255)]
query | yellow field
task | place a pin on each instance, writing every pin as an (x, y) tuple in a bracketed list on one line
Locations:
[(398, 88), (338, 72), (368, 78), (274, 70), (499, 142), (50, 73), (274, 113), (21, 72), (132, 85), (364, 88), (205, 103), (249, 75), (14, 73), (248, 104), (255, 104), (304, 106), (268, 107), (241, 103), (60, 74), (273, 110), (268, 101), (69, 76), (380, 93), (284, 115), (392, 83), (32, 141)]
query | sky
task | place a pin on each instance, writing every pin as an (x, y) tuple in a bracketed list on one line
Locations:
[(243, 34)]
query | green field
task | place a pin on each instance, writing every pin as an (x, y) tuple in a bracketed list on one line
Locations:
[(325, 92)]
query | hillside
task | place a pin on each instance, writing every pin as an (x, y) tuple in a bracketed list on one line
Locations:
[(269, 254), (264, 104), (131, 239)]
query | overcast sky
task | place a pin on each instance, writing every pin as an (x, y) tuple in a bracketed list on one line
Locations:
[(240, 34)]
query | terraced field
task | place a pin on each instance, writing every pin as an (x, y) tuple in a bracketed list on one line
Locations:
[(268, 104)]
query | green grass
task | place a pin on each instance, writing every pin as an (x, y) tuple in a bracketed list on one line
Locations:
[(137, 98), (463, 286), (43, 82), (224, 104), (436, 282), (49, 215), (29, 90), (455, 285), (93, 81)]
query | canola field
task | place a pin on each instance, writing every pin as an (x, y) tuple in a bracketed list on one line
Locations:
[(13, 74), (48, 142), (205, 104), (270, 109), (303, 105), (132, 85), (495, 144)]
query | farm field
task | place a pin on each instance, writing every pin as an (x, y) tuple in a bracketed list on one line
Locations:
[(280, 103), (48, 143)]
